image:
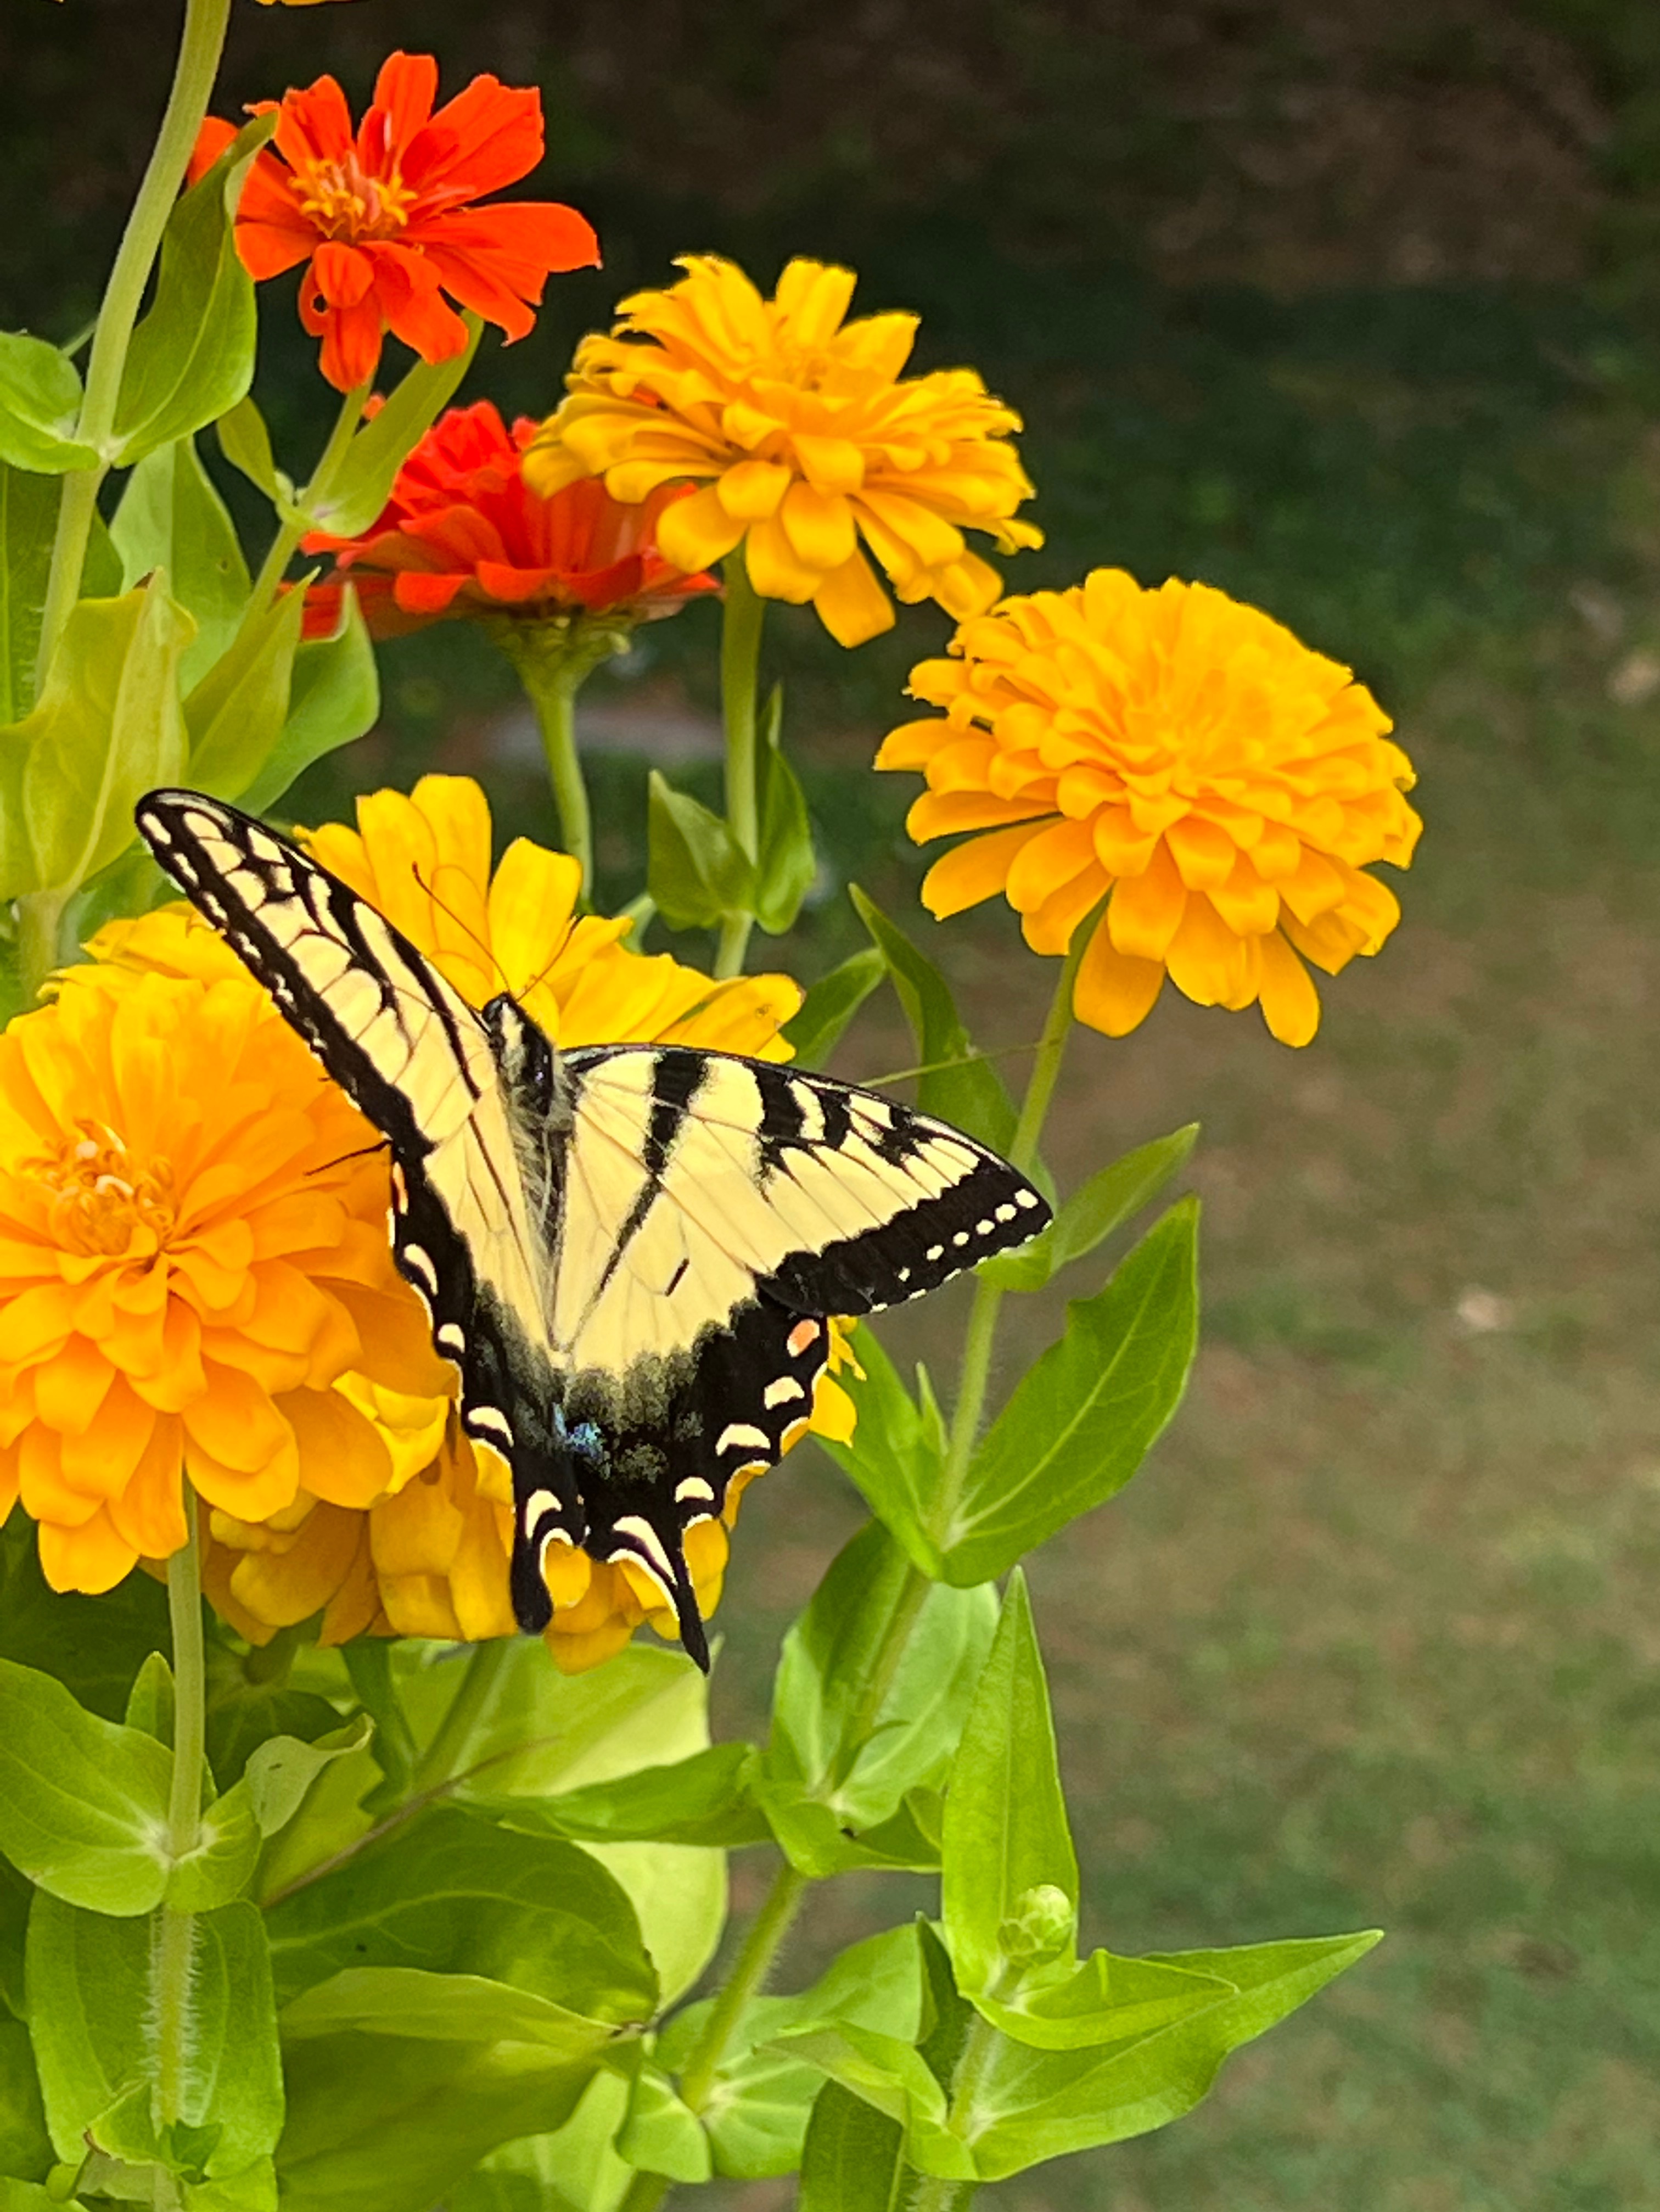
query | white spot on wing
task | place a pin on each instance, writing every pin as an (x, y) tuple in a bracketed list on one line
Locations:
[(490, 1418), (741, 1435), (649, 1542), (693, 1487), (782, 1392)]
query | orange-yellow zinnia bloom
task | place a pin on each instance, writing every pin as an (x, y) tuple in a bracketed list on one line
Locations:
[(806, 438), (429, 1556), (192, 1254), (1182, 757)]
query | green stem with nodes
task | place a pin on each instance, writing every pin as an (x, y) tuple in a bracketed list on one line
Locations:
[(761, 1947), (981, 1333), (740, 661), (197, 65), (554, 659), (467, 1711), (175, 1944), (39, 921), (288, 534)]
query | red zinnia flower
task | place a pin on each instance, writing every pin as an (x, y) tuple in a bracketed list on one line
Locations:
[(464, 534), (383, 217)]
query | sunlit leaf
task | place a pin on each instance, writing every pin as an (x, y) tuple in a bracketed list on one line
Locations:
[(660, 2135), (83, 1803), (816, 1028), (958, 1087), (334, 697), (363, 483), (785, 863), (171, 517), (897, 1450), (695, 870), (1089, 1217), (39, 406), (850, 2160), (28, 520)]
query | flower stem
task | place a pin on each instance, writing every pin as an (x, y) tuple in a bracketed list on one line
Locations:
[(981, 1335), (175, 1944), (554, 659), (288, 534), (740, 661), (39, 917), (199, 48), (761, 1947), (466, 1712)]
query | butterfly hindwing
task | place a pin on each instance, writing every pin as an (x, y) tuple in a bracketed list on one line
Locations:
[(422, 1067)]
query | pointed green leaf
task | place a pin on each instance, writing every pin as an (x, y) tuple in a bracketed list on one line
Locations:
[(705, 1799), (39, 406), (1104, 2000), (756, 2114), (246, 444), (281, 1771), (661, 2134), (897, 1452), (1006, 1834), (1030, 2105), (363, 483), (334, 697), (1090, 1215), (456, 1895), (963, 1090), (851, 2160), (83, 1803), (816, 1028), (694, 871), (573, 2169), (786, 863), (1082, 1420), (151, 1703), (236, 714), (830, 1778), (171, 517), (28, 520), (25, 2147), (106, 728), (191, 358), (453, 2008), (894, 2079)]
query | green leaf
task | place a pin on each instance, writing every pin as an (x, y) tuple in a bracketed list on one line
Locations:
[(242, 1715), (1082, 1420), (246, 444), (39, 406), (83, 1803), (826, 1775), (29, 521), (381, 2123), (786, 863), (171, 517), (281, 1771), (1030, 2105), (816, 1027), (236, 714), (334, 697), (151, 1703), (756, 2114), (1005, 1831), (453, 2007), (221, 1865), (106, 728), (946, 2014), (705, 1799), (95, 1646), (572, 2170), (363, 483), (16, 1895), (1103, 2000), (90, 2015), (645, 1708), (851, 2160), (897, 1451), (662, 2136), (25, 2147), (191, 358), (892, 2076), (695, 870), (1090, 1215), (958, 1087), (456, 1895)]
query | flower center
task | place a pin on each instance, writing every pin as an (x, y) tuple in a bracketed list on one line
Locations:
[(101, 1195), (345, 201)]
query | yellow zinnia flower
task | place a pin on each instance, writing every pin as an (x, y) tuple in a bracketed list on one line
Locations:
[(193, 1252), (429, 1556), (805, 436), (1183, 753)]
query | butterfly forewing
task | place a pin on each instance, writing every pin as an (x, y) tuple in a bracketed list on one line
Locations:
[(418, 1061)]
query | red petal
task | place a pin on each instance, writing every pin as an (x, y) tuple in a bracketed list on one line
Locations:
[(426, 595), (266, 251), (341, 273), (406, 285), (211, 141), (351, 339), (315, 125), (487, 136), (513, 587), (404, 93)]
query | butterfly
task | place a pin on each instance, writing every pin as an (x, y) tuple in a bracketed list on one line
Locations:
[(630, 1252)]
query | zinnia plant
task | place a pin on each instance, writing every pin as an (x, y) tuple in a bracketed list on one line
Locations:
[(322, 1889)]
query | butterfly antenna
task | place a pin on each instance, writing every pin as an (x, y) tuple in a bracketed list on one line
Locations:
[(939, 1067), (466, 928)]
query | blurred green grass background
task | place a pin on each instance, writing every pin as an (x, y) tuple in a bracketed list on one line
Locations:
[(1353, 312)]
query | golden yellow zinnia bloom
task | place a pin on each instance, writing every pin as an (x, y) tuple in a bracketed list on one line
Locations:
[(193, 1252), (429, 1556), (1185, 755), (805, 437)]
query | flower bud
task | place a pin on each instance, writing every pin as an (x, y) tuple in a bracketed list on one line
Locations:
[(1042, 1925)]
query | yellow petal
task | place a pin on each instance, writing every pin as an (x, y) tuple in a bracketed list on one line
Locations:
[(1203, 853), (532, 901), (695, 533), (835, 464), (973, 871), (1290, 1005), (819, 527), (1205, 958), (852, 604), (344, 1459), (749, 491), (1114, 993), (1146, 909), (776, 569)]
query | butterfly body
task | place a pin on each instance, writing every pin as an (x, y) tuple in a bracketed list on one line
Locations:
[(631, 1252)]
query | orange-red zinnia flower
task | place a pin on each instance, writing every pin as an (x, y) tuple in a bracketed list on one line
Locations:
[(384, 216), (463, 534)]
